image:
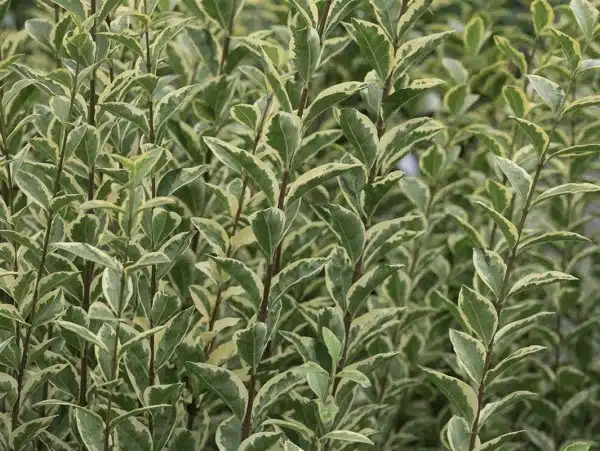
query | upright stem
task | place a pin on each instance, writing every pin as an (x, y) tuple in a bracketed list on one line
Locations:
[(274, 264), (227, 40), (42, 266), (9, 187), (510, 262), (380, 126), (114, 367), (214, 314), (153, 276), (89, 266)]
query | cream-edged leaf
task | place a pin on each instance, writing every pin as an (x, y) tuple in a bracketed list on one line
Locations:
[(538, 280), (461, 396), (239, 160), (222, 383)]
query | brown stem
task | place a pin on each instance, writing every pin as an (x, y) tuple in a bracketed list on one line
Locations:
[(509, 268), (114, 368), (324, 16), (214, 314), (227, 40), (89, 266), (42, 266)]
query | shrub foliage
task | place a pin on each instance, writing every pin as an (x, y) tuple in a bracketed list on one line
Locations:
[(208, 243)]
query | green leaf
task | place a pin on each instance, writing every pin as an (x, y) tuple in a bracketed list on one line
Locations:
[(586, 15), (138, 338), (169, 105), (461, 396), (360, 132), (333, 345), (229, 434), (494, 408), (459, 434), (222, 383), (306, 51), (469, 230), (106, 8), (514, 55), (576, 151), (507, 228), (213, 233), (293, 274), (496, 443), (73, 6), (284, 135), (315, 177), (250, 344), (274, 389), (567, 188), (178, 178), (131, 431), (128, 112), (128, 40), (538, 280), (240, 161), (149, 259), (245, 114), (308, 10), (338, 11), (511, 360), (387, 13), (582, 103), (520, 325), (134, 412), (415, 50), (222, 12), (260, 441), (490, 268), (551, 93), (244, 276), (479, 313), (570, 47), (349, 230), (374, 45), (347, 436), (91, 428), (410, 17), (520, 180), (10, 312), (516, 99), (553, 237), (277, 84), (536, 135), (33, 187), (175, 332), (577, 446), (330, 97), (26, 433), (542, 14), (474, 35), (83, 333), (89, 253), (470, 353), (268, 226), (363, 287), (8, 388), (402, 96)]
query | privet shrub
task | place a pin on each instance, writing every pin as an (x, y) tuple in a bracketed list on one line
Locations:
[(207, 241)]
